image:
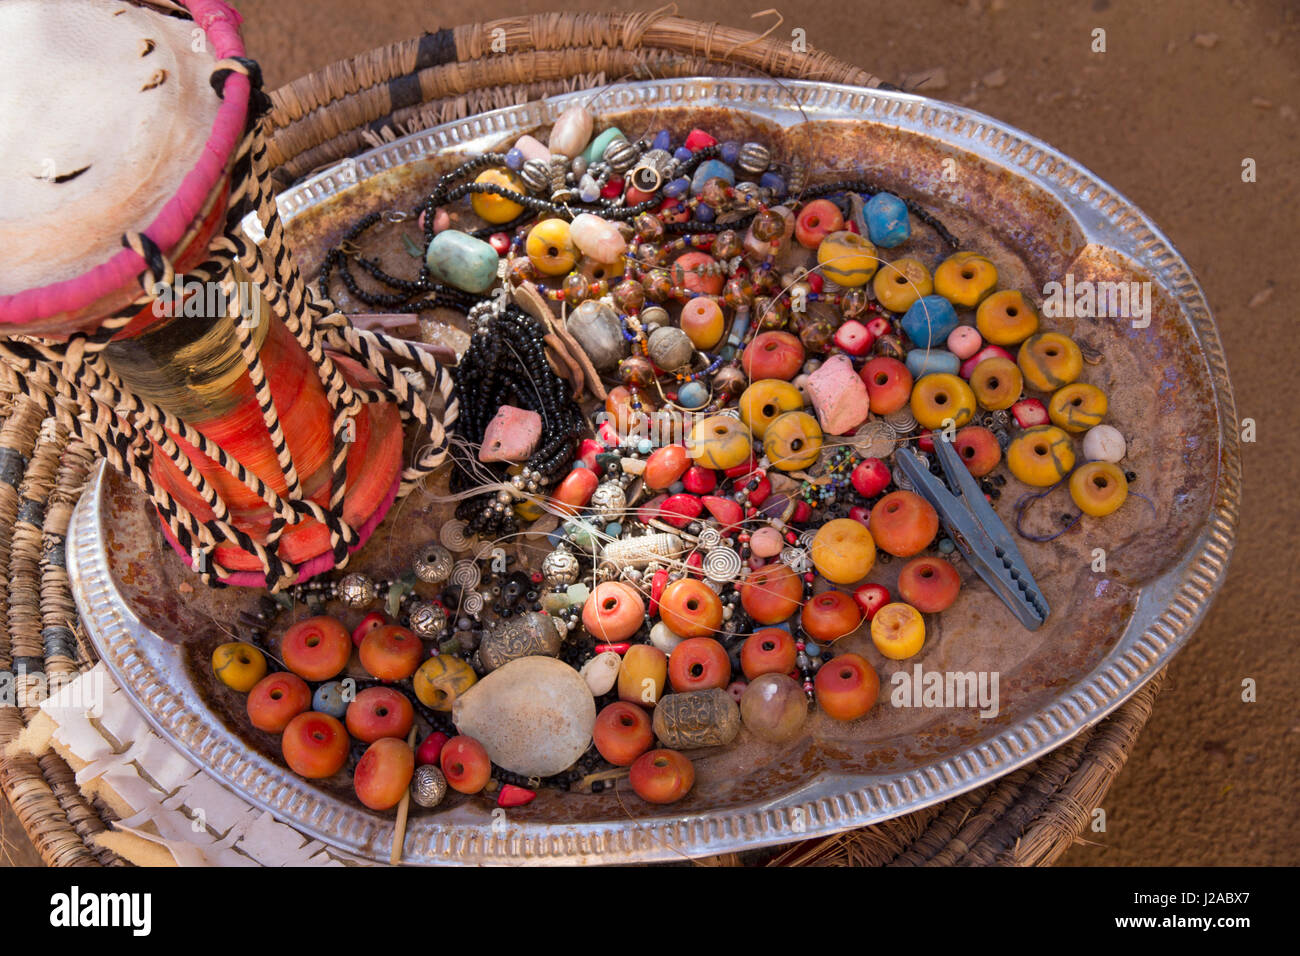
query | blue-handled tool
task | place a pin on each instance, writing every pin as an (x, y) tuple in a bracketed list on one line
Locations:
[(976, 530)]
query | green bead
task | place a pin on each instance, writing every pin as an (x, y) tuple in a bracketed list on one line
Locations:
[(578, 593), (596, 151), (458, 259)]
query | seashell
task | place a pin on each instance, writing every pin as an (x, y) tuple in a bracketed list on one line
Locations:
[(533, 716)]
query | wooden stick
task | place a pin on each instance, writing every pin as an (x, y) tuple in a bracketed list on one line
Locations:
[(399, 828)]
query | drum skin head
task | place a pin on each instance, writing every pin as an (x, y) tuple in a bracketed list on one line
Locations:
[(104, 109)]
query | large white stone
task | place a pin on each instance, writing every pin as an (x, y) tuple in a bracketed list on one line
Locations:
[(601, 672), (533, 715)]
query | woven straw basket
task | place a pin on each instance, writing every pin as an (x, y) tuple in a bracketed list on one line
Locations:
[(1029, 817)]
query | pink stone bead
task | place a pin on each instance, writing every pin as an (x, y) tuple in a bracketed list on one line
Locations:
[(597, 238), (766, 543), (512, 435), (571, 133), (532, 148), (964, 341), (839, 395), (441, 221)]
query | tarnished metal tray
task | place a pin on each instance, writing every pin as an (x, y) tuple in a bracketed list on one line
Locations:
[(1039, 216)]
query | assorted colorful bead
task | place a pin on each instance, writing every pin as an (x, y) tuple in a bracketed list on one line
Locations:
[(721, 507)]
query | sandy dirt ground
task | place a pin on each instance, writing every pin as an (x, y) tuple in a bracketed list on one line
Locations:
[(1184, 93)]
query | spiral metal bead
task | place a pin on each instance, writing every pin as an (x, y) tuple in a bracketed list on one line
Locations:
[(806, 539), (796, 559), (709, 538), (466, 575), (473, 602), (903, 422), (721, 565), (453, 537), (428, 786)]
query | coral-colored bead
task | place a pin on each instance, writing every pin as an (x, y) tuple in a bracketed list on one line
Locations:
[(698, 272), (681, 510), (699, 663), (576, 490), (690, 608), (697, 139), (771, 594), (699, 481), (831, 615), (665, 465), (816, 221), (613, 611)]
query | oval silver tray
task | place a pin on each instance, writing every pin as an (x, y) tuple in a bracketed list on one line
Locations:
[(1040, 215)]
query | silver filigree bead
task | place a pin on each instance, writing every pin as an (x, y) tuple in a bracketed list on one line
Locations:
[(427, 620), (609, 500), (428, 786), (754, 158), (434, 564), (357, 591), (560, 568)]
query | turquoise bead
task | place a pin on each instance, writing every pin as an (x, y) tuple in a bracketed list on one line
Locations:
[(595, 152), (692, 395), (645, 446), (458, 259), (812, 649), (613, 529), (929, 321), (887, 222), (711, 169), (928, 361), (946, 546)]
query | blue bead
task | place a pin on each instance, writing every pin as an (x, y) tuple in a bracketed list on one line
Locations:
[(579, 463), (929, 321), (929, 361), (662, 140), (774, 182), (704, 212), (676, 188), (515, 159), (692, 395), (887, 221), (554, 538), (682, 154), (711, 169), (328, 699), (946, 546), (812, 649), (676, 488), (730, 151), (645, 446), (613, 529)]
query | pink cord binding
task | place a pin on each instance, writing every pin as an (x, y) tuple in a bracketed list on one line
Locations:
[(221, 25)]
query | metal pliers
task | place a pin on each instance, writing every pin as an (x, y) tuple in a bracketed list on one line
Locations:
[(976, 530)]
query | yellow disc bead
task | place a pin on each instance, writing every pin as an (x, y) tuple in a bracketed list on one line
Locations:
[(1041, 456), (493, 208), (997, 383), (900, 283), (767, 400), (1049, 360), (239, 665), (550, 249), (1098, 488), (1078, 407), (965, 278), (847, 258), (940, 398), (1006, 318), (792, 441), (719, 442)]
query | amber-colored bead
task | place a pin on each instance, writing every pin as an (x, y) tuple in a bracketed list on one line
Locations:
[(1078, 407), (1049, 360), (714, 192), (739, 291), (900, 283), (720, 442), (727, 244), (1041, 456), (702, 320), (767, 225), (574, 288), (1098, 488), (816, 334), (771, 314), (965, 278), (730, 380), (1006, 318), (522, 270), (637, 371), (854, 302), (792, 441), (658, 285), (940, 397)]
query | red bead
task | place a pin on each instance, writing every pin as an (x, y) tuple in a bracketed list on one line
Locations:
[(726, 511), (697, 139), (588, 451), (879, 326), (636, 196), (802, 512), (816, 282), (657, 585), (925, 442), (612, 189), (1029, 412), (619, 648), (699, 480), (512, 796), (536, 577), (681, 510), (695, 561), (759, 494), (810, 577), (430, 748), (745, 468), (791, 537), (500, 242)]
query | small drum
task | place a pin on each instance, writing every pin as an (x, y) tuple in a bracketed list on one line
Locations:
[(267, 431)]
